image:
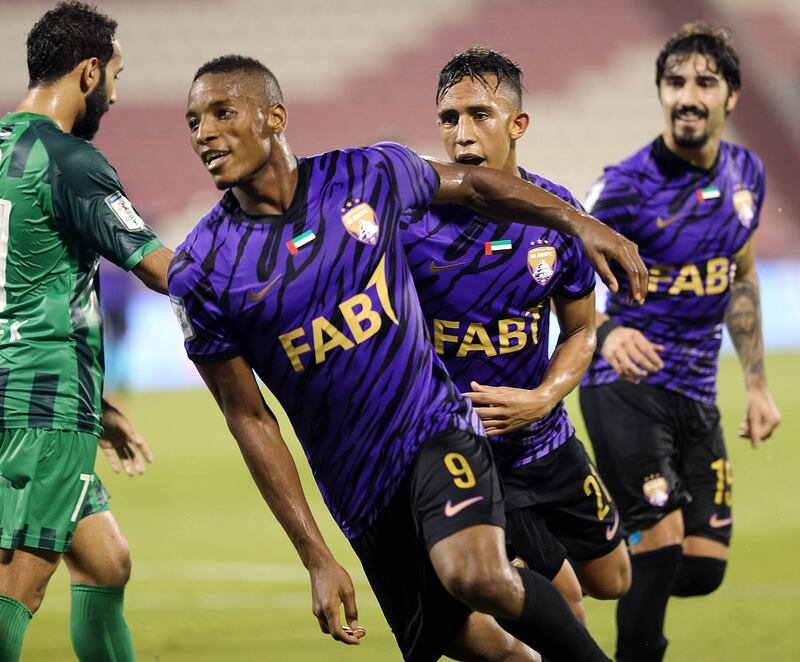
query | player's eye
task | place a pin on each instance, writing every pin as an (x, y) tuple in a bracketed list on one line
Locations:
[(225, 113), (193, 124), (449, 120), (481, 116)]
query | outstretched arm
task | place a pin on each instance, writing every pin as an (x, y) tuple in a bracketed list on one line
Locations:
[(743, 318), (152, 270), (234, 388), (505, 409), (501, 196)]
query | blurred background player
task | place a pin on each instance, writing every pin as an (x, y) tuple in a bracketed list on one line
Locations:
[(692, 203), (298, 273), (485, 290), (61, 207)]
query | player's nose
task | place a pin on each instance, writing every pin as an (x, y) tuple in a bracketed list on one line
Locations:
[(464, 133)]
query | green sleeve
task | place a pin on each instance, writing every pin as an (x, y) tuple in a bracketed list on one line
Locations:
[(91, 202)]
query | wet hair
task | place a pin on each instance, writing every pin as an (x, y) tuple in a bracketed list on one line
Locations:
[(477, 63), (706, 39), (239, 64), (66, 36)]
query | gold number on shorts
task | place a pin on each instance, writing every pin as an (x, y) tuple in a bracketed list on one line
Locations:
[(724, 482), (457, 465), (593, 483)]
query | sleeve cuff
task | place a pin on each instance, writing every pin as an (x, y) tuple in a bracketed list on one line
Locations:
[(139, 254)]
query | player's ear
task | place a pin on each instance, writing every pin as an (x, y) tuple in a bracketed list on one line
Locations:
[(519, 125), (90, 73), (276, 118), (731, 101)]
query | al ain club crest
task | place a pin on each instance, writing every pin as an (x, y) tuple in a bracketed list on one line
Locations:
[(542, 262), (744, 205), (360, 222)]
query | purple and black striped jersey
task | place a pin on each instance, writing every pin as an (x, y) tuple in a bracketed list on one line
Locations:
[(321, 303), (689, 224), (485, 290)]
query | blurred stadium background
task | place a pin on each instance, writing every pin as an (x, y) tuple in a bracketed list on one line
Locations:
[(214, 579)]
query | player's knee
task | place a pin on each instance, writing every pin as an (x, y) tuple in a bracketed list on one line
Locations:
[(699, 575), (484, 588), (614, 584), (120, 570)]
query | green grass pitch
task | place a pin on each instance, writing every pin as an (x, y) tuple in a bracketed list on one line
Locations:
[(214, 577)]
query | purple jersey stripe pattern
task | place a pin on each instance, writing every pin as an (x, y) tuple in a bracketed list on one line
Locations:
[(489, 315), (334, 329), (689, 242)]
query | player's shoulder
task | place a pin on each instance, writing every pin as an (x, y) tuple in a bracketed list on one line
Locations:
[(75, 157), (200, 241), (551, 187), (636, 168), (742, 159)]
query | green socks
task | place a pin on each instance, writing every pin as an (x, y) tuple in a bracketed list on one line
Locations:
[(98, 627), (14, 619)]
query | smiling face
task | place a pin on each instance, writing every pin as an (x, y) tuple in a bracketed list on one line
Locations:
[(696, 100), (230, 127), (480, 124)]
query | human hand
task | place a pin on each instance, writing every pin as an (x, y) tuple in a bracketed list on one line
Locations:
[(761, 417), (504, 408), (331, 587), (122, 444), (631, 354)]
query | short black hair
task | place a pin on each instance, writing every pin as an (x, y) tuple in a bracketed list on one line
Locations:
[(66, 36), (478, 62), (709, 40), (229, 64)]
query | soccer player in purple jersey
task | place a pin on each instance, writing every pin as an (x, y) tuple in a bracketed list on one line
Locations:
[(298, 273), (692, 202), (486, 290)]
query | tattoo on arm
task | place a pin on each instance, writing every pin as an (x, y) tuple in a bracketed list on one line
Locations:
[(743, 318)]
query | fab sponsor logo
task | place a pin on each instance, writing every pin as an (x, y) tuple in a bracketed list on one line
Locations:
[(361, 222), (541, 261)]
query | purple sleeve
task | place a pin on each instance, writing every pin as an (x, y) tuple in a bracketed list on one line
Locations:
[(580, 279), (613, 199), (206, 330), (416, 182)]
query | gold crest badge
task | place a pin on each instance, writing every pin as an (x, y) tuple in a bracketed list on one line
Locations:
[(656, 490), (745, 206), (361, 223), (542, 262)]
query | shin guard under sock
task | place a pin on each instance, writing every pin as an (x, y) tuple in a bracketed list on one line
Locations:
[(14, 619), (640, 612), (547, 624), (97, 624)]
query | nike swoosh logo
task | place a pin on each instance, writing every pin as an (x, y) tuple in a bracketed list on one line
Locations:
[(612, 530), (718, 523), (451, 509), (436, 268), (257, 296), (664, 222)]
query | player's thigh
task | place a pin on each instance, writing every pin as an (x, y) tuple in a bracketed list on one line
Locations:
[(99, 554), (45, 476), (634, 432), (424, 618), (708, 476), (25, 572), (483, 640)]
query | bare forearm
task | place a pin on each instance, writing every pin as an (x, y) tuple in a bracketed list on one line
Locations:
[(152, 270), (568, 364), (275, 474), (743, 318)]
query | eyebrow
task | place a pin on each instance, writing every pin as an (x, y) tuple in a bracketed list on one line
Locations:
[(210, 106), (478, 108)]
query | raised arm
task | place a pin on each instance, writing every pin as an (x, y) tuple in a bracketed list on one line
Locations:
[(743, 319), (501, 196), (256, 431), (505, 409)]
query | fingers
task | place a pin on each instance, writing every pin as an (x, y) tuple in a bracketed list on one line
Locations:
[(646, 357), (145, 449), (111, 457), (605, 273), (351, 615)]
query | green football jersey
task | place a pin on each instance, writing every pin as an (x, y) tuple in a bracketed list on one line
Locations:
[(61, 207)]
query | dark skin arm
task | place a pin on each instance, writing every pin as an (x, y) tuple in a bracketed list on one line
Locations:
[(743, 319), (504, 409), (121, 443), (152, 270), (506, 198), (271, 465)]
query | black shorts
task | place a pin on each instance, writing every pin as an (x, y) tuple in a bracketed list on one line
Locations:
[(451, 486), (557, 506), (658, 451)]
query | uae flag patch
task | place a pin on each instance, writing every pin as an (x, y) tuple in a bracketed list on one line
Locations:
[(708, 193), (492, 247), (299, 241)]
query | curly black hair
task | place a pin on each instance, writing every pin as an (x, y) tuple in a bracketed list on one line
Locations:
[(709, 40), (478, 62), (64, 37)]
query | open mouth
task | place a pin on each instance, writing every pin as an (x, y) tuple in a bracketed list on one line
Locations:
[(214, 158), (470, 159)]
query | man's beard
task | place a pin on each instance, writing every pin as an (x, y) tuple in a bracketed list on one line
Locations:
[(96, 106), (690, 140)]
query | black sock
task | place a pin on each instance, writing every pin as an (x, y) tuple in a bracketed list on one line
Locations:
[(699, 575), (640, 612), (547, 624)]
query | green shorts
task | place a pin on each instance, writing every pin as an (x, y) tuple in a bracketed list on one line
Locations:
[(96, 499), (45, 476)]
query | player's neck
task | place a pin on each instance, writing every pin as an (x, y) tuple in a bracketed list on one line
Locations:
[(700, 157), (271, 189), (55, 102)]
